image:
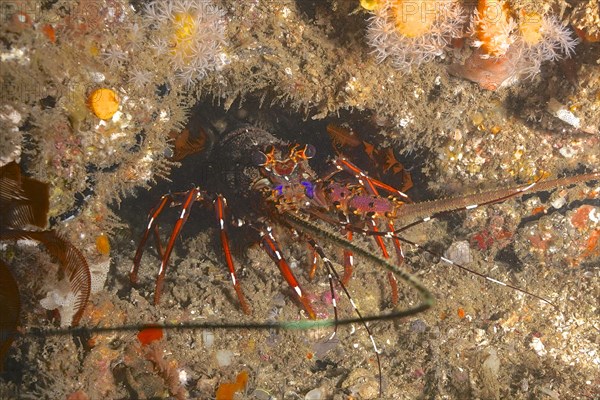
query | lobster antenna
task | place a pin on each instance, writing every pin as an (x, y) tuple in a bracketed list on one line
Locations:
[(427, 300), (333, 272)]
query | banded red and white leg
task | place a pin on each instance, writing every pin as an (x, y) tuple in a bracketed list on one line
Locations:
[(377, 207), (271, 247), (186, 200)]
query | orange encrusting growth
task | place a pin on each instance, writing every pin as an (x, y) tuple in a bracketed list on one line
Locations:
[(580, 220), (592, 248), (49, 31), (581, 217), (492, 27), (226, 391), (538, 210), (103, 102), (103, 244), (150, 334)]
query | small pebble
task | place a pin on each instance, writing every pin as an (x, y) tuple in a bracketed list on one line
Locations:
[(260, 394), (524, 385), (418, 326), (97, 77), (224, 357), (208, 338), (315, 394), (537, 346), (459, 252), (492, 363), (561, 112), (559, 202)]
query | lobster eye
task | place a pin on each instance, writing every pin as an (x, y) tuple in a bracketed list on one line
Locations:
[(309, 151), (259, 158)]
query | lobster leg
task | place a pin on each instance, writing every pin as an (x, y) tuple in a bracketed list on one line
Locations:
[(399, 261), (168, 200), (369, 183), (379, 239), (313, 262), (348, 261), (220, 205), (188, 200), (271, 247), (193, 196), (371, 186), (159, 247), (165, 201)]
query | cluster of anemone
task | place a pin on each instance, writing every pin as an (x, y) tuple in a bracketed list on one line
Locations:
[(525, 43), (190, 33), (409, 33), (543, 38)]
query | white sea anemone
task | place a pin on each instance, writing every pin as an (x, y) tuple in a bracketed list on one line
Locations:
[(191, 33), (409, 33), (140, 77), (114, 56), (543, 38)]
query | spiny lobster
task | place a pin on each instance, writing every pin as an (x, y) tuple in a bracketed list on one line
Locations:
[(274, 183)]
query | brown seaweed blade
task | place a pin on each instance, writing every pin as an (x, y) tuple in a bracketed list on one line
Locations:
[(10, 307), (74, 265), (23, 201)]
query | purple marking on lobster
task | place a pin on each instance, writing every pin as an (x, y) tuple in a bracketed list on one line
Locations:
[(368, 203), (357, 200)]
